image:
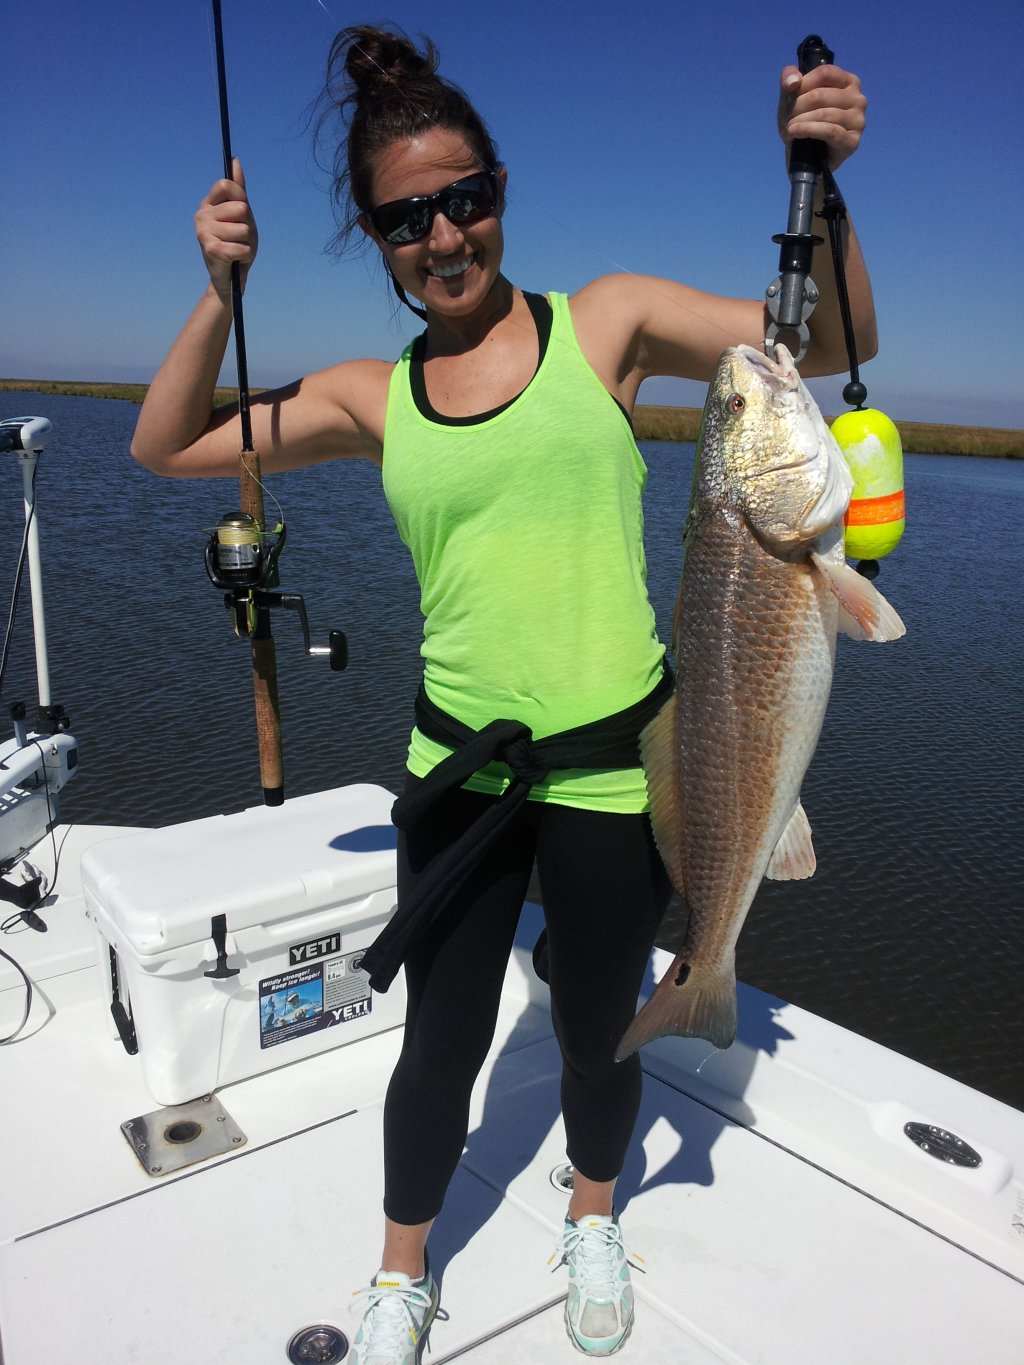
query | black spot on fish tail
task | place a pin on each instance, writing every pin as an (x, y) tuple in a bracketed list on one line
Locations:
[(691, 1002)]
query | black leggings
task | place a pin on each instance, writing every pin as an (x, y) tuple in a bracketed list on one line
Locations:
[(604, 890)]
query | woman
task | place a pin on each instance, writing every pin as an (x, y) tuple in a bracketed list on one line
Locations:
[(508, 459)]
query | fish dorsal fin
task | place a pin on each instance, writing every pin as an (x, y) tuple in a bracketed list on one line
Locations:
[(659, 755), (876, 619), (793, 858)]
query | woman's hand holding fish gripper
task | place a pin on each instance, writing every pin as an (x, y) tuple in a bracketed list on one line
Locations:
[(827, 103), (226, 231)]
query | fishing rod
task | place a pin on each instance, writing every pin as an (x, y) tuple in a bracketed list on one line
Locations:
[(869, 440), (246, 532), (241, 555)]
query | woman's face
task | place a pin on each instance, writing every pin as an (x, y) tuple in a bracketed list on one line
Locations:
[(453, 268)]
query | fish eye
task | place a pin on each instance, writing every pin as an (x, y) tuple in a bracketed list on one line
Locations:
[(735, 402)]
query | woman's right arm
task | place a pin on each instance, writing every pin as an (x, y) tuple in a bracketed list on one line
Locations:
[(333, 414)]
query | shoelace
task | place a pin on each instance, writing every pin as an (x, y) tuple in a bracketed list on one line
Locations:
[(394, 1315), (595, 1247)]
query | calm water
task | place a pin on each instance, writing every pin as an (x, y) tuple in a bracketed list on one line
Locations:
[(911, 931)]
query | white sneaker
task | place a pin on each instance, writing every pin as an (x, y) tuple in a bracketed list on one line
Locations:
[(599, 1306), (397, 1319)]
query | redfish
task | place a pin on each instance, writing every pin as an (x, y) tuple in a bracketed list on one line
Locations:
[(765, 587)]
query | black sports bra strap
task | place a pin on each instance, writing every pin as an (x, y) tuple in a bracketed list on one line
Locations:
[(541, 311)]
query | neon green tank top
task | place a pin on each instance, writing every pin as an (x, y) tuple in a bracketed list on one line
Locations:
[(526, 530)]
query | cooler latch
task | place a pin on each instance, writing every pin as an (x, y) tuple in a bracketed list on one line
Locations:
[(219, 934), (124, 1022)]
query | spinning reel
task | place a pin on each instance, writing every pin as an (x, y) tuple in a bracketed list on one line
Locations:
[(241, 560)]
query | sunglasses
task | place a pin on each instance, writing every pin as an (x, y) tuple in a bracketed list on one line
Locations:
[(410, 220)]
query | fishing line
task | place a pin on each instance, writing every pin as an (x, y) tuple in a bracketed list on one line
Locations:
[(373, 62), (707, 1059), (262, 486)]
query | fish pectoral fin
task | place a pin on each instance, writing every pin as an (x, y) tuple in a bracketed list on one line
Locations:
[(793, 856), (659, 758), (849, 625), (876, 619)]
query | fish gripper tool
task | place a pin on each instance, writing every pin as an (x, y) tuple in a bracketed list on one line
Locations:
[(790, 298)]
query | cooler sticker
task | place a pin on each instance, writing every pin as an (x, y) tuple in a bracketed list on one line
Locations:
[(308, 999)]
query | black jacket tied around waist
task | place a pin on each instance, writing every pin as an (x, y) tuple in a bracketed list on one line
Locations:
[(612, 742)]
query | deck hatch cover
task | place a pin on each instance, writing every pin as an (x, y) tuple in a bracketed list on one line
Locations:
[(941, 1144)]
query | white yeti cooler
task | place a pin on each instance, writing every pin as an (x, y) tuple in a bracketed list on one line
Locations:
[(233, 945)]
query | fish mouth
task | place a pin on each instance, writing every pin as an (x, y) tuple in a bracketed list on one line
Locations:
[(779, 370), (787, 464), (781, 376)]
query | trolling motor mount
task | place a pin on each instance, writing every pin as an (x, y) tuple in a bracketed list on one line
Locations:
[(41, 757), (242, 561)]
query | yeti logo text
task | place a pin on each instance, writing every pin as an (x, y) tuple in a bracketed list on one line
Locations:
[(316, 947), (357, 1010)]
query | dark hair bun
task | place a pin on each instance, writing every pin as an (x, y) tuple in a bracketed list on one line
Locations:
[(377, 57), (382, 90)]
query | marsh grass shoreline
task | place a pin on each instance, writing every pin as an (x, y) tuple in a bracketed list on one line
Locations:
[(651, 422), (918, 438)]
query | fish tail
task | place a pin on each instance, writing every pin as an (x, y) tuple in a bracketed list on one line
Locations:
[(688, 1001)]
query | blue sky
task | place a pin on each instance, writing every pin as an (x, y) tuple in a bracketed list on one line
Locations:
[(637, 137)]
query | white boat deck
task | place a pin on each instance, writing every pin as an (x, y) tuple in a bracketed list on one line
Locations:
[(783, 1217)]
